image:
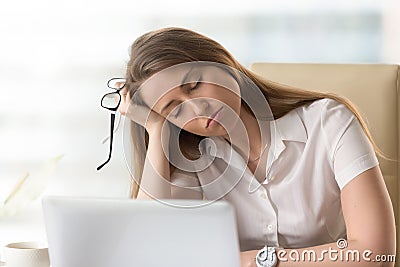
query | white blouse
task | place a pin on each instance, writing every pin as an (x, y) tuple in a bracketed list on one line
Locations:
[(317, 149)]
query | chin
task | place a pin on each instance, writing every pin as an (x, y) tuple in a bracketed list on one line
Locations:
[(208, 132)]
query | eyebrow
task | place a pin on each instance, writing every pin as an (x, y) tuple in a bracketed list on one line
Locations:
[(182, 83)]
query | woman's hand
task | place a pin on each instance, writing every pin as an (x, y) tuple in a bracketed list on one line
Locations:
[(140, 114), (247, 258)]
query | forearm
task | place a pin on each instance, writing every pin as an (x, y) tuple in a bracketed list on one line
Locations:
[(156, 172), (355, 254)]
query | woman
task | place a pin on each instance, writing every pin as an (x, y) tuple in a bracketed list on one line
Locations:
[(317, 179)]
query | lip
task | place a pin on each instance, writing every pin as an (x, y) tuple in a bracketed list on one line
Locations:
[(213, 116)]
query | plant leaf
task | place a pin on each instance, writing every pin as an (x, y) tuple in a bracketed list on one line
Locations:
[(17, 187), (28, 188)]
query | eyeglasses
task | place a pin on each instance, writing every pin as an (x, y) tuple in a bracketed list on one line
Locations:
[(111, 101)]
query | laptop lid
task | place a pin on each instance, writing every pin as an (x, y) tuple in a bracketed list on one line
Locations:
[(105, 232)]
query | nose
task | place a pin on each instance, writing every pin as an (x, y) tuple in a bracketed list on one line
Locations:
[(199, 106)]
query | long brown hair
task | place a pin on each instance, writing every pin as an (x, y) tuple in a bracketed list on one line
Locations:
[(166, 47)]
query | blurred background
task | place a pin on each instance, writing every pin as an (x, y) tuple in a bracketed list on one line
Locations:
[(56, 57)]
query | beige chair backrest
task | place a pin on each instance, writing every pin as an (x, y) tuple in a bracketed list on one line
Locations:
[(373, 88)]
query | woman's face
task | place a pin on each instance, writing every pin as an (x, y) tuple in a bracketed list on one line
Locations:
[(204, 100)]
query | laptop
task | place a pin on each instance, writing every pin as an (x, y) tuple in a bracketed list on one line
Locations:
[(109, 232)]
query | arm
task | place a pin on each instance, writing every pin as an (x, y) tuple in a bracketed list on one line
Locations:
[(156, 179), (156, 173), (369, 218)]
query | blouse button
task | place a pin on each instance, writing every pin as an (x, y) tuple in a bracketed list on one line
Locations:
[(263, 195), (270, 227)]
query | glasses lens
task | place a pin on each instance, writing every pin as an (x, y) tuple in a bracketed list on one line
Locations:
[(116, 83), (110, 100)]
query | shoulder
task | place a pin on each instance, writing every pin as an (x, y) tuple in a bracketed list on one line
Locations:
[(326, 112), (326, 120), (323, 105)]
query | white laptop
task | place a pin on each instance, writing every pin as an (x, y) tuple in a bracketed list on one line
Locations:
[(108, 232)]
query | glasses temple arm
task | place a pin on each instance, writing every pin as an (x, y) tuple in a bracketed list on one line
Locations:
[(111, 140), (115, 130)]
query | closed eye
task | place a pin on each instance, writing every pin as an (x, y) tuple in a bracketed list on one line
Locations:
[(194, 87), (196, 84), (178, 111)]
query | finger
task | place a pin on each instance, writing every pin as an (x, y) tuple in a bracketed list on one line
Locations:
[(123, 106), (138, 113)]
